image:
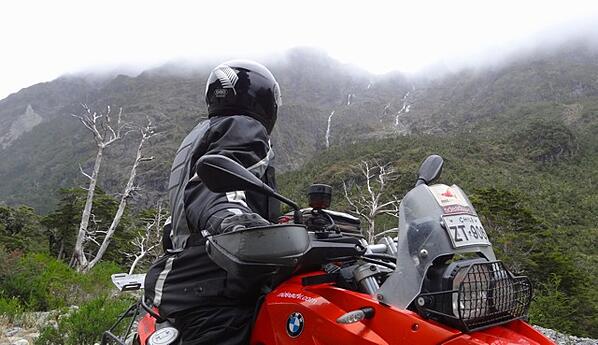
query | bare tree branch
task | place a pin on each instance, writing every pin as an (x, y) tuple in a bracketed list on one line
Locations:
[(383, 233), (146, 133), (367, 202), (106, 130), (84, 173), (149, 240)]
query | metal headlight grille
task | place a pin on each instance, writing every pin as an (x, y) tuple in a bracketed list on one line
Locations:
[(472, 297), (488, 295), (483, 294)]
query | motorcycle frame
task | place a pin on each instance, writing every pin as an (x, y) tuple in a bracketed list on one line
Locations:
[(109, 336)]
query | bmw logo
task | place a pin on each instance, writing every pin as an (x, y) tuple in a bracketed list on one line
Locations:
[(295, 325)]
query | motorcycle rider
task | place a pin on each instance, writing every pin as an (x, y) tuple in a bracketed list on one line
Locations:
[(209, 306)]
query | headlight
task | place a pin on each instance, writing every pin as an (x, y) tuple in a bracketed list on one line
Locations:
[(472, 299), (475, 294)]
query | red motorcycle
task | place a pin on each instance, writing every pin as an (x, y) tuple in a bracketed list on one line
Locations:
[(438, 282)]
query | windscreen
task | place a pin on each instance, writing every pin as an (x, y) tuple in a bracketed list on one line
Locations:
[(434, 221)]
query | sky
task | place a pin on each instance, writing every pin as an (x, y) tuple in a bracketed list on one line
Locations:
[(41, 40)]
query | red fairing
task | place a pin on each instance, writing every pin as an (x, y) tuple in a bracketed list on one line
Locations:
[(296, 314), (146, 327)]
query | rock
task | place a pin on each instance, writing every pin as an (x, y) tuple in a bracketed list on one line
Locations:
[(53, 324), (20, 342), (21, 125), (565, 339), (37, 319), (12, 331), (72, 309), (33, 335)]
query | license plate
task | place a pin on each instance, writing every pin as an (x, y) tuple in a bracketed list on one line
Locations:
[(465, 230)]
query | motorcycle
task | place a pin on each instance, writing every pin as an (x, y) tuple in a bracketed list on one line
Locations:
[(437, 282)]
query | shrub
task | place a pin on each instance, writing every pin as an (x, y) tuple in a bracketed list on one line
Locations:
[(20, 229), (547, 141), (8, 260), (552, 308), (85, 325), (10, 309), (41, 282)]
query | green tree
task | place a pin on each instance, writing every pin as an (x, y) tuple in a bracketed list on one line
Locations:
[(63, 224), (63, 221), (20, 229), (547, 141)]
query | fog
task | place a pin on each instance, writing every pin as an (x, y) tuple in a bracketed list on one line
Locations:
[(579, 33), (42, 40)]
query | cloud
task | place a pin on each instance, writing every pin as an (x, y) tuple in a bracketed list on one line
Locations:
[(44, 39)]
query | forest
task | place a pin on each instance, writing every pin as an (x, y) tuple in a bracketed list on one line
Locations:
[(520, 140)]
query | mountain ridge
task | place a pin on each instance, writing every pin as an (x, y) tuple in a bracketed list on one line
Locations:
[(325, 103)]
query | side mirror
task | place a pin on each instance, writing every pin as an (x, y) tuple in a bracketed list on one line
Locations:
[(429, 170), (222, 174)]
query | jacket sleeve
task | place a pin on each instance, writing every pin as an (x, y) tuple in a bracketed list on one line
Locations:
[(244, 140)]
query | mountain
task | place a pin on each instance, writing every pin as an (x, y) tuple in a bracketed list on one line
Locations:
[(42, 145), (325, 103), (519, 137), (531, 175)]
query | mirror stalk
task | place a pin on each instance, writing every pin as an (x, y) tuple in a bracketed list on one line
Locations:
[(297, 215)]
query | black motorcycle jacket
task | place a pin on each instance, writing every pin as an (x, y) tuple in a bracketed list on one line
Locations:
[(185, 277)]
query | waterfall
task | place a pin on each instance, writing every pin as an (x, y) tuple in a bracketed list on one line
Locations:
[(404, 109), (328, 130)]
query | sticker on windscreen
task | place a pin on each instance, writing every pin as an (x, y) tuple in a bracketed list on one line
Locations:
[(451, 199)]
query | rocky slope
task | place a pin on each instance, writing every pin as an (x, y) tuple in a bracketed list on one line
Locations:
[(326, 103)]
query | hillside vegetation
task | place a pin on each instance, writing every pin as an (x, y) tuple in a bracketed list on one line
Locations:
[(521, 139), (323, 101), (533, 180)]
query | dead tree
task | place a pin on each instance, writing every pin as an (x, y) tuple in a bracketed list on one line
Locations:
[(105, 130), (368, 202), (146, 133), (148, 242)]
